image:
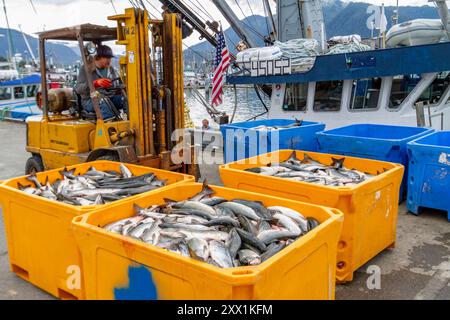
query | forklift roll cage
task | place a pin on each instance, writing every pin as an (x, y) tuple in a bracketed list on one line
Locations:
[(152, 71), (81, 33)]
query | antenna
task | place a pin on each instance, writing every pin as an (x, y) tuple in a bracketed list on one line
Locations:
[(396, 16)]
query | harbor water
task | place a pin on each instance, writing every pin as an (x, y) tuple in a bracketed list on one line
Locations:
[(249, 105)]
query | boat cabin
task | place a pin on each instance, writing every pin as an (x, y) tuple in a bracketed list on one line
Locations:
[(400, 86), (20, 90)]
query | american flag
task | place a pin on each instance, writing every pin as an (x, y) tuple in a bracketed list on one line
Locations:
[(222, 62)]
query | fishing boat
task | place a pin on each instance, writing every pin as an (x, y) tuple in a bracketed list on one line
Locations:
[(407, 84), (18, 98), (7, 72)]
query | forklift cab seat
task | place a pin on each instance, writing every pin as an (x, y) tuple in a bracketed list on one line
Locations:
[(85, 115)]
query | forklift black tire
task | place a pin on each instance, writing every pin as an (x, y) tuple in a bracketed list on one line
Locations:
[(109, 157), (34, 165)]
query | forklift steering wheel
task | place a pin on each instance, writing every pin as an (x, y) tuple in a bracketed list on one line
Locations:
[(110, 91)]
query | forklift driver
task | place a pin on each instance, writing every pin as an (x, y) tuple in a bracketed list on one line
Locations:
[(103, 77)]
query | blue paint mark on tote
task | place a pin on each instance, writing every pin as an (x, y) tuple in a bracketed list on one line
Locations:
[(141, 286)]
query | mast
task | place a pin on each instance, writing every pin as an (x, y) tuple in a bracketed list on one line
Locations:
[(396, 16), (176, 6), (270, 17), (10, 42), (443, 13), (300, 19), (33, 57), (235, 23)]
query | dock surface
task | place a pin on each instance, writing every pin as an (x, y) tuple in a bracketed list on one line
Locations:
[(417, 268)]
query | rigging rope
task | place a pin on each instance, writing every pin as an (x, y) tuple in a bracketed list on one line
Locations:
[(142, 4), (112, 3), (34, 8), (156, 9), (253, 14), (200, 7), (197, 53), (190, 7), (248, 26), (266, 14), (132, 3)]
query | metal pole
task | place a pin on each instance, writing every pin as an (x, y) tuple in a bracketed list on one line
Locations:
[(43, 63), (420, 114), (430, 118), (272, 20), (28, 46), (443, 13), (398, 11), (235, 23)]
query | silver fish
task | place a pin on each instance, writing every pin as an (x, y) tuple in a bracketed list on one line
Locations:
[(249, 257), (194, 205), (93, 187), (198, 249), (152, 234), (220, 254), (138, 231), (240, 209), (190, 227), (257, 206), (233, 243), (223, 221), (311, 171), (125, 171), (270, 236), (288, 223), (294, 215), (251, 240), (272, 250)]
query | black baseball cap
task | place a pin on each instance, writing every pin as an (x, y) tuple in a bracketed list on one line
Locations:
[(104, 52)]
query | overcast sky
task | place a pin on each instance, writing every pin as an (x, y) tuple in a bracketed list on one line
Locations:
[(53, 14)]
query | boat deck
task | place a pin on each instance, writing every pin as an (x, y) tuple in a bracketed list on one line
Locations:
[(20, 112), (418, 268)]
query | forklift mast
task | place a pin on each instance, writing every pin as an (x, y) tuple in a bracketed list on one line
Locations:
[(155, 88)]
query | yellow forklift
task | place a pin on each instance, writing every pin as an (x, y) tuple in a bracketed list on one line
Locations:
[(152, 76)]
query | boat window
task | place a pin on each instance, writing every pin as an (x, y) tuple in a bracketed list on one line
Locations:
[(401, 88), (296, 97), (328, 96), (436, 90), (365, 94), (32, 91), (5, 93), (19, 93)]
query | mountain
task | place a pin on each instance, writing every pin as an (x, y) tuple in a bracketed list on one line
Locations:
[(337, 15), (61, 54), (357, 14)]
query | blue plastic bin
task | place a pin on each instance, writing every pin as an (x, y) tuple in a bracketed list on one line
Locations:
[(372, 141), (242, 141), (429, 173)]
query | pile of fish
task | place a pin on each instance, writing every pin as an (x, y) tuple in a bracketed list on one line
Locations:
[(94, 187), (216, 231), (297, 123), (311, 171)]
